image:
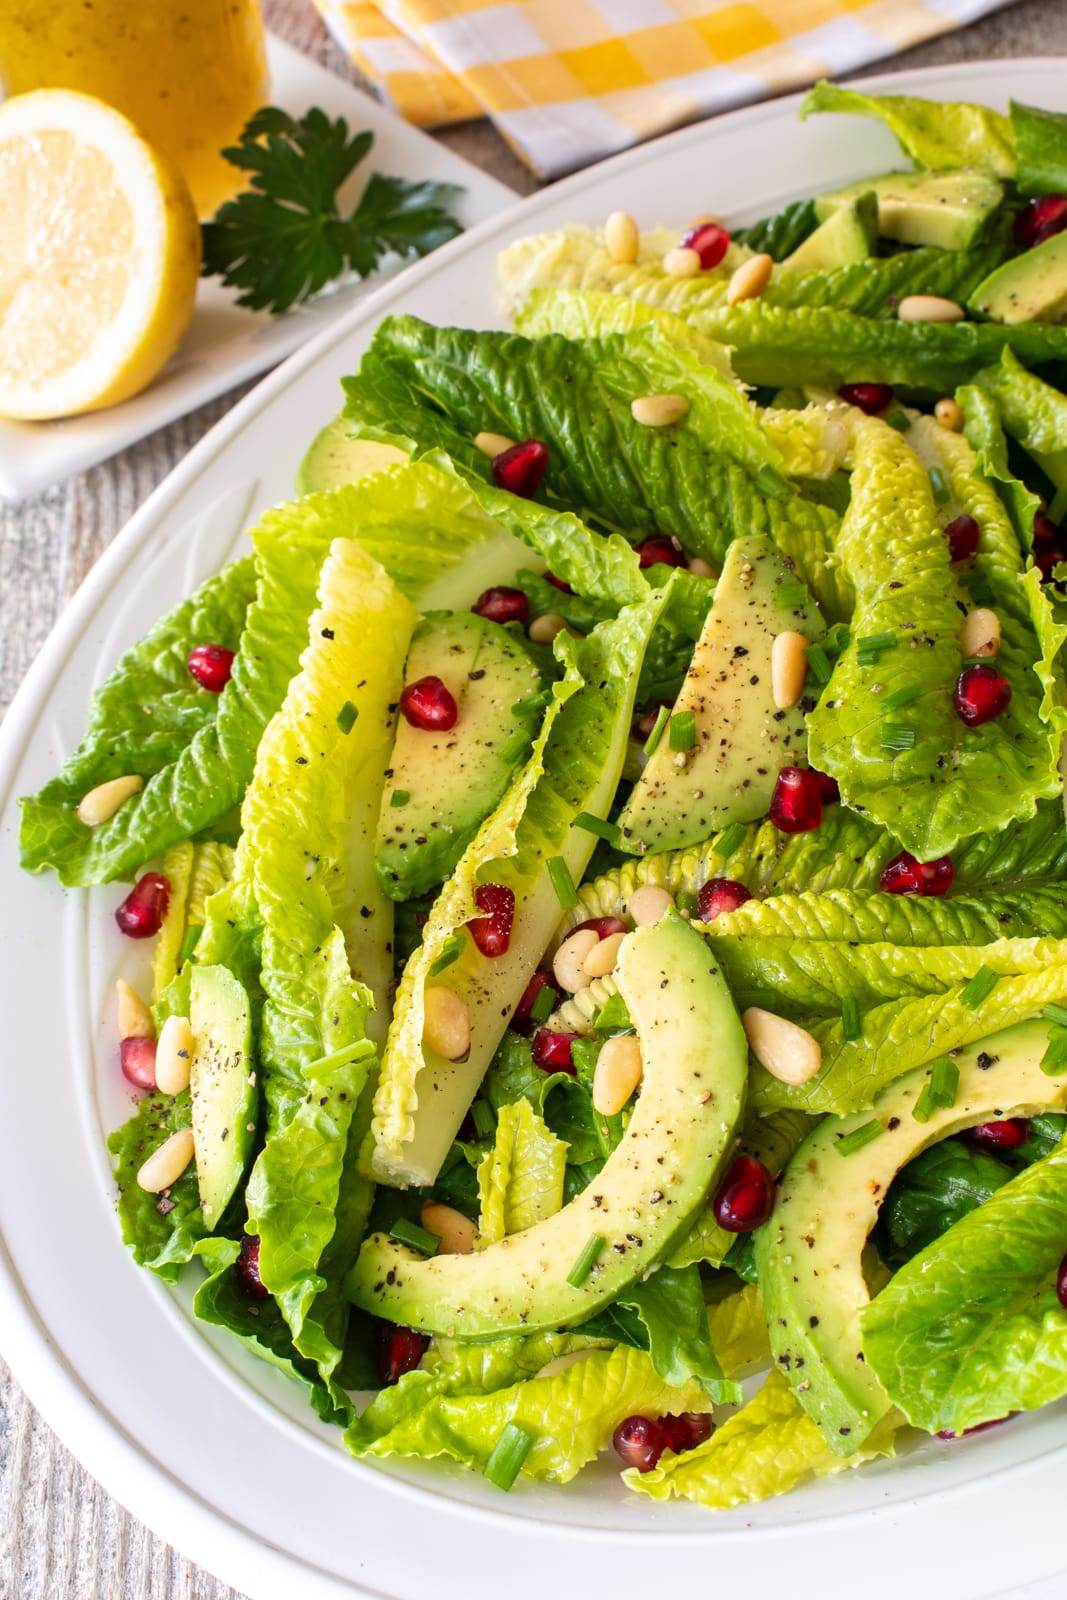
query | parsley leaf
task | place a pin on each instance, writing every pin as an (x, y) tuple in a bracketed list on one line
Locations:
[(282, 239)]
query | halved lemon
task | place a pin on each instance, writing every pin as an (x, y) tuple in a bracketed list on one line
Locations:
[(99, 260)]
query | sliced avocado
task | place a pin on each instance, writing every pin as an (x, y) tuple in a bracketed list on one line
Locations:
[(440, 787), (1029, 288), (809, 1254), (680, 1133), (742, 738), (334, 458), (849, 234), (222, 1086), (949, 209)]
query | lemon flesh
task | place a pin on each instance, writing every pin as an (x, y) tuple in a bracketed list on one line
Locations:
[(101, 256)]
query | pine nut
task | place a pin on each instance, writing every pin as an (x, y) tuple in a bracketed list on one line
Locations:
[(560, 1364), (543, 629), (456, 1232), (949, 414), (788, 1052), (750, 279), (101, 803), (980, 633), (174, 1055), (603, 956), (446, 1026), (648, 904), (702, 219), (568, 963), (492, 444), (135, 1019), (659, 410), (702, 568), (682, 262), (166, 1165), (789, 668), (619, 1070), (929, 308), (622, 238)]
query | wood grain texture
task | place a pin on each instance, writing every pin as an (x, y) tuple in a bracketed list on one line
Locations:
[(61, 1536)]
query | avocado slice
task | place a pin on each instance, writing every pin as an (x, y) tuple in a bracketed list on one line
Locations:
[(742, 739), (1029, 288), (849, 234), (335, 457), (949, 209), (679, 1135), (222, 1086), (440, 787), (809, 1254)]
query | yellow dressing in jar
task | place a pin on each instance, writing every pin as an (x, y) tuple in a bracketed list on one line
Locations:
[(189, 73)]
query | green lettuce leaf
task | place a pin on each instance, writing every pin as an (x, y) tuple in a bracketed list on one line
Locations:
[(875, 288), (869, 918), (162, 1231), (670, 1308), (587, 314), (560, 1099), (194, 872), (984, 432), (1032, 411), (934, 1192), (934, 133), (738, 1330), (194, 749), (1041, 149), (779, 235), (972, 1328), (520, 1181)]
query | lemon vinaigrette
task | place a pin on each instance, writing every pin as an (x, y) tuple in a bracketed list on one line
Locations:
[(188, 73)]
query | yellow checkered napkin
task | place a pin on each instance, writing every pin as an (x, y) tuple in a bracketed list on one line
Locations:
[(569, 81)]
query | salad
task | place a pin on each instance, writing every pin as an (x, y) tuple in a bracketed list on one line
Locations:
[(605, 857)]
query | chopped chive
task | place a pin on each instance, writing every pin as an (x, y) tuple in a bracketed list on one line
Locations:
[(836, 640), (346, 717), (979, 988), (507, 1456), (409, 1233), (1055, 1013), (562, 882), (1054, 1060), (770, 482), (819, 664), (902, 697), (870, 649), (895, 736), (612, 1015), (683, 730), (399, 797), (898, 419), (939, 1090), (730, 838), (483, 1119), (859, 1137), (544, 1004), (791, 594), (850, 1018), (584, 1264), (663, 716), (451, 951), (597, 826), (938, 485), (532, 702), (190, 940)]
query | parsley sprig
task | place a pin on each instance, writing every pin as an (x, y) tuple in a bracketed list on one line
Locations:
[(282, 239)]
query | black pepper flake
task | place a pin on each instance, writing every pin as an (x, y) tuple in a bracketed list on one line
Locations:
[(327, 633)]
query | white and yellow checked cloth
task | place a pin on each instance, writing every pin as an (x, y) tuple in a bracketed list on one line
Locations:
[(570, 81)]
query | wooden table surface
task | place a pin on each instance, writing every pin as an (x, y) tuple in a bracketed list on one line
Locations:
[(61, 1536)]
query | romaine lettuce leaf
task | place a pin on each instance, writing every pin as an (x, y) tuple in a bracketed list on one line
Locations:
[(874, 288), (161, 1230), (194, 749), (670, 1308), (780, 234), (934, 133), (1032, 411), (194, 872), (934, 1192), (1041, 149), (520, 1181), (972, 1328), (587, 314), (738, 1330), (984, 432)]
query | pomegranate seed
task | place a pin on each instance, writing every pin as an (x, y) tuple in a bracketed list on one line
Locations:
[(492, 933), (797, 802), (552, 1051), (686, 1430), (502, 605), (521, 468), (664, 551), (979, 1427), (247, 1268), (870, 398), (427, 704), (1047, 541), (962, 534), (1039, 219), (141, 913), (981, 694), (603, 927), (640, 1441), (399, 1350), (210, 665), (1061, 1283), (718, 896), (746, 1196), (710, 243), (1007, 1134), (907, 875), (558, 583), (137, 1057), (829, 792), (540, 980)]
